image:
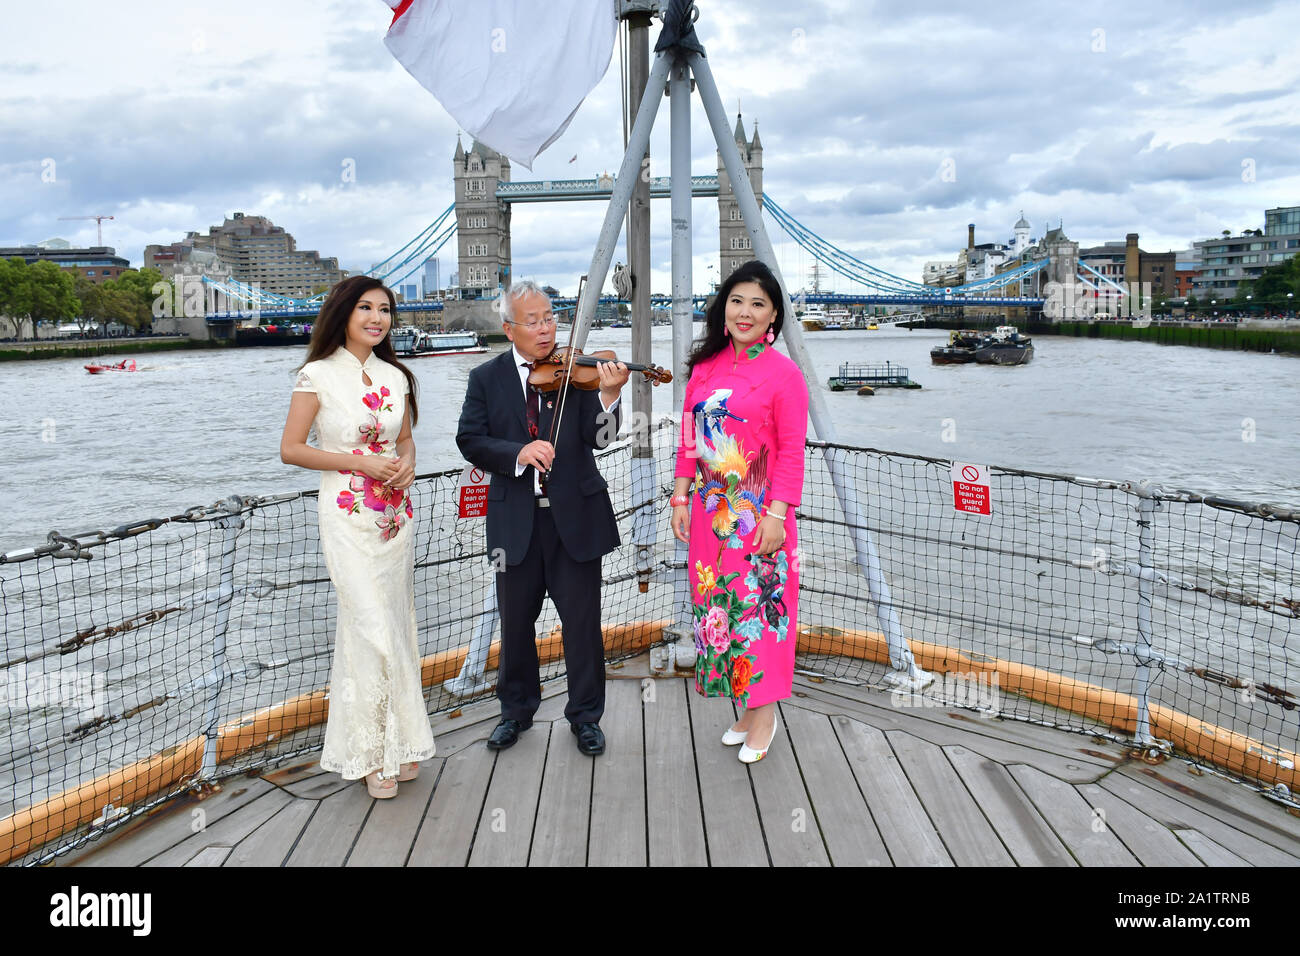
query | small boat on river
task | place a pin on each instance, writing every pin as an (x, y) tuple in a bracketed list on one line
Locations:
[(126, 365), (1006, 346), (417, 343), (960, 349)]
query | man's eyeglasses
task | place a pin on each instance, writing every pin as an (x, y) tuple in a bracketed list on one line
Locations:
[(534, 326)]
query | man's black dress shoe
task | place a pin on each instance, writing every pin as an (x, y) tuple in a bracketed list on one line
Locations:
[(506, 733), (590, 739)]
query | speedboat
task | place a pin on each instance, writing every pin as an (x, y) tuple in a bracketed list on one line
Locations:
[(126, 365)]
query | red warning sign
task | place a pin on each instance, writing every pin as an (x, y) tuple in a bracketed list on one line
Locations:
[(970, 489), (472, 493)]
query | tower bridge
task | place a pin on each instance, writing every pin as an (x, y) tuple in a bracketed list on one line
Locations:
[(479, 219)]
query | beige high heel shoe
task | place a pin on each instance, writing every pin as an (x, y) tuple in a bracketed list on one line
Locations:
[(409, 771), (375, 781)]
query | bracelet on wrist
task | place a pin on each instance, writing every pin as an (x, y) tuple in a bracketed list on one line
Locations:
[(681, 500)]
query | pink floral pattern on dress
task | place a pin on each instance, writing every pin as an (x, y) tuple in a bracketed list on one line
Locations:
[(392, 504)]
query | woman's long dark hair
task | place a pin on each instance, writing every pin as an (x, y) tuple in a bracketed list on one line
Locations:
[(715, 339), (330, 332)]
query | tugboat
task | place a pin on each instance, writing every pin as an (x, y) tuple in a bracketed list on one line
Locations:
[(960, 349), (415, 343), (1006, 346)]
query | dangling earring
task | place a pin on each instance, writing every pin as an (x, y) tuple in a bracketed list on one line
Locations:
[(726, 332), (770, 337)]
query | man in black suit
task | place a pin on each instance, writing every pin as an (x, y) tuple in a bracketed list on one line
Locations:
[(549, 520)]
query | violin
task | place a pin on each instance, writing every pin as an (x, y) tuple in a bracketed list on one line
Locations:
[(569, 366)]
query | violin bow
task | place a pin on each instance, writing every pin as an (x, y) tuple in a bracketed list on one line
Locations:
[(564, 392)]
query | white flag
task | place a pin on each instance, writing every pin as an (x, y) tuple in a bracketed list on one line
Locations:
[(512, 73)]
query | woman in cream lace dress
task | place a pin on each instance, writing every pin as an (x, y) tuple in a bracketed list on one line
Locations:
[(361, 400)]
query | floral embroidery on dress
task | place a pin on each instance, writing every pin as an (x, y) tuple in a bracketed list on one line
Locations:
[(392, 505), (731, 487), (375, 400), (721, 664), (304, 381)]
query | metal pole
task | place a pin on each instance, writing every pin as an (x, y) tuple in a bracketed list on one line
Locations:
[(470, 680), (1147, 506), (638, 238), (679, 91), (900, 655), (638, 256), (217, 676), (637, 144)]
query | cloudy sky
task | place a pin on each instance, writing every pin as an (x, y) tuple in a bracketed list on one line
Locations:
[(1173, 120)]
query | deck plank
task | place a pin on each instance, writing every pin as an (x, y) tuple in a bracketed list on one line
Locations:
[(210, 856), (165, 827), (909, 834), (391, 828), (1150, 841), (1070, 815), (304, 769), (227, 831), (966, 834), (327, 839), (1027, 836), (505, 827), (564, 805), (674, 818), (731, 821), (842, 814), (1209, 851), (269, 844), (1176, 815), (446, 833), (789, 818), (1225, 800), (318, 787), (1078, 759), (617, 834)]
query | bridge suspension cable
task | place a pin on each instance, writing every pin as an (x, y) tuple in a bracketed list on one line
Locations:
[(427, 241), (857, 270)]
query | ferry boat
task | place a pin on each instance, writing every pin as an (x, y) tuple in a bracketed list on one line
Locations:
[(838, 319), (814, 319), (416, 343)]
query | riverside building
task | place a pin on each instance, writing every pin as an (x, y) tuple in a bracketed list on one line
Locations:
[(251, 249)]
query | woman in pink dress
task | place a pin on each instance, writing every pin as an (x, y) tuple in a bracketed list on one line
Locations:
[(744, 422)]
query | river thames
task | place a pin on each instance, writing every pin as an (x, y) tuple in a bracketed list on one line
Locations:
[(98, 451)]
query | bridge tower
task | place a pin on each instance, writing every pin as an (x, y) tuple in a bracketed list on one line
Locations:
[(736, 247), (482, 220)]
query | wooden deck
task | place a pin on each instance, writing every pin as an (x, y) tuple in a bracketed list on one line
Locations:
[(851, 780)]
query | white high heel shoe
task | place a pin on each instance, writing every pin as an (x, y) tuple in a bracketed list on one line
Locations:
[(733, 737), (749, 755)]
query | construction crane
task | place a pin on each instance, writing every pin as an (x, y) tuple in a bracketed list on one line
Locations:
[(99, 223)]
